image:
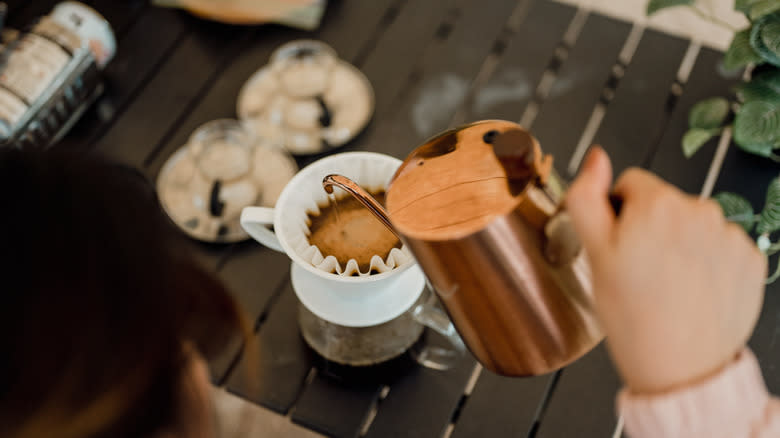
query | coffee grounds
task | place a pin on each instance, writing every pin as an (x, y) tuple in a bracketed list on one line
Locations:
[(347, 230)]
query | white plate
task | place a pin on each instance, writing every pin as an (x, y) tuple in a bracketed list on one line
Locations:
[(378, 305), (295, 122), (184, 195)]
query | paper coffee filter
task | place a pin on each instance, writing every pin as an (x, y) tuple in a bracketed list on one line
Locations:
[(370, 171)]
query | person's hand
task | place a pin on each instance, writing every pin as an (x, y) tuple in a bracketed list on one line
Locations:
[(678, 289)]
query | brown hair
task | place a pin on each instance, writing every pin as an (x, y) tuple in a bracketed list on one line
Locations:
[(98, 295)]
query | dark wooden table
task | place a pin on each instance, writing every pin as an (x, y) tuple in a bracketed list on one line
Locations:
[(571, 76)]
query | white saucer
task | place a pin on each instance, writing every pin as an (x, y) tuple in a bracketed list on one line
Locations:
[(294, 122), (185, 196), (375, 305)]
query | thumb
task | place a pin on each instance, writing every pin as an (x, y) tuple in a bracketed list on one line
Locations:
[(588, 203)]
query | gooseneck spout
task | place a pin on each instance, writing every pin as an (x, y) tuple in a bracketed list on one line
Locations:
[(361, 195)]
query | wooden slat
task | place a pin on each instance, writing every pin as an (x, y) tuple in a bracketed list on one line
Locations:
[(396, 412), (283, 359), (459, 52), (253, 274), (252, 287), (501, 406), (392, 61), (120, 14), (395, 55), (565, 112), (209, 256), (362, 18), (140, 52), (527, 56), (141, 49), (334, 408), (220, 100), (749, 175), (385, 66), (185, 71), (444, 76), (583, 401), (222, 364), (638, 114), (350, 27), (560, 123), (421, 403), (169, 95), (669, 162)]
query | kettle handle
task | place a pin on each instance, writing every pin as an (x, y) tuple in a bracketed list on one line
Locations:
[(563, 244)]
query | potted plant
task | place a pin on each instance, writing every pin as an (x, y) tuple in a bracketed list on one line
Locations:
[(754, 115)]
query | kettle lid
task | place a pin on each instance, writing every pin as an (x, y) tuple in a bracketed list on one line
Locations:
[(459, 181)]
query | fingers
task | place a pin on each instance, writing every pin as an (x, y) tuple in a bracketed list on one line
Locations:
[(637, 184), (588, 203)]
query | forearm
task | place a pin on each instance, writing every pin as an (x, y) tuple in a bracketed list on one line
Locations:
[(732, 404)]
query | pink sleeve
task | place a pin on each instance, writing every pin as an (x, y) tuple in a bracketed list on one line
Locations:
[(733, 404)]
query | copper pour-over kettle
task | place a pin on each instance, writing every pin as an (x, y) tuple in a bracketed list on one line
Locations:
[(480, 208)]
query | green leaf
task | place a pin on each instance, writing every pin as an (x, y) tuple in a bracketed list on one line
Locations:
[(763, 150), (757, 38), (694, 139), (763, 86), (770, 36), (763, 7), (740, 53), (736, 209), (709, 113), (769, 221), (744, 5), (656, 5), (756, 127)]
